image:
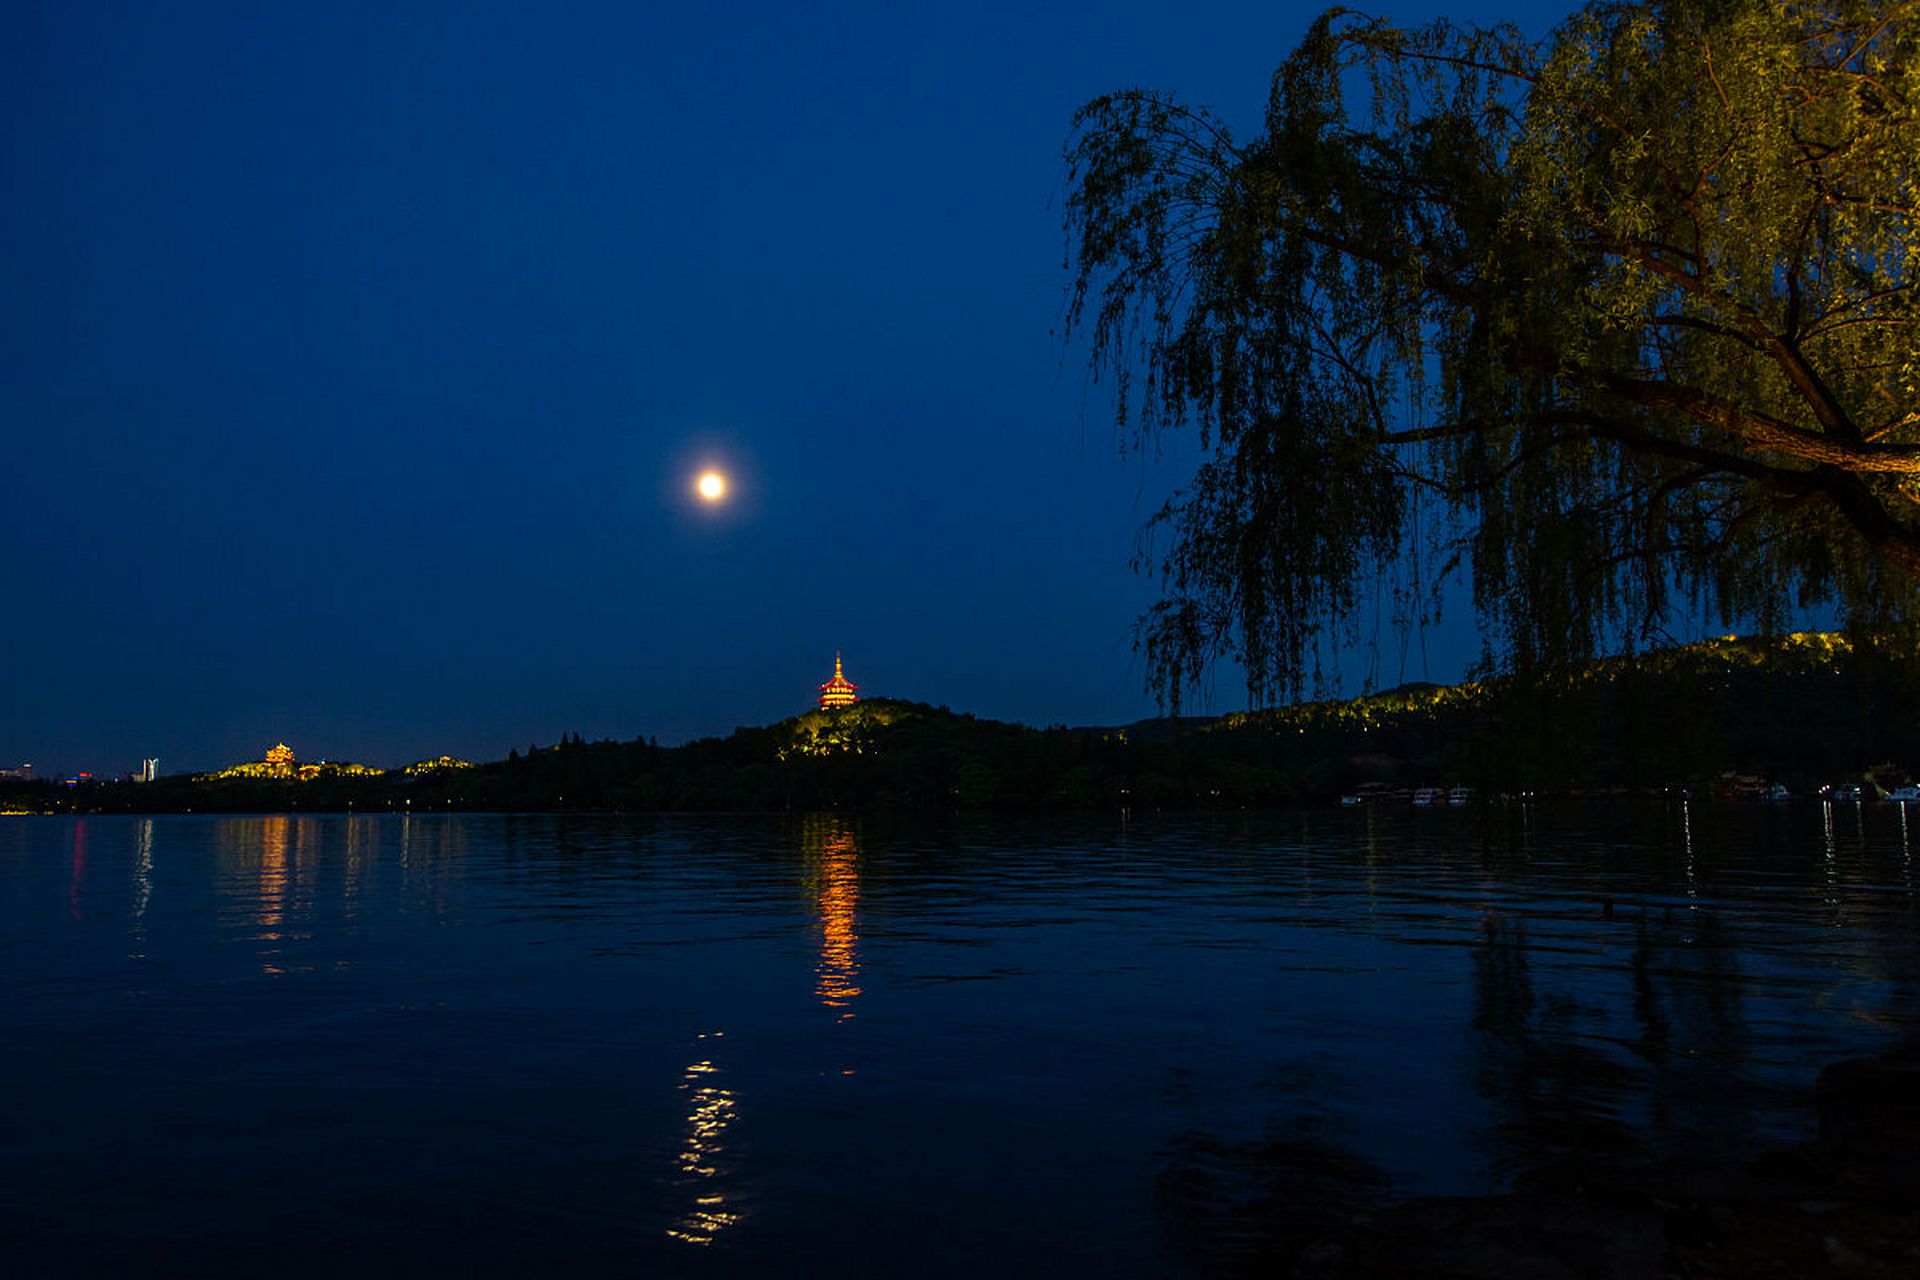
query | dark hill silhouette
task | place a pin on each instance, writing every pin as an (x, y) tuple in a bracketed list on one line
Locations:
[(1804, 709)]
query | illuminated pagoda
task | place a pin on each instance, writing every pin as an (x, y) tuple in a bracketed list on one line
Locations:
[(280, 760), (839, 691)]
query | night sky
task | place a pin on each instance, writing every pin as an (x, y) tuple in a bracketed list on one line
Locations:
[(356, 362)]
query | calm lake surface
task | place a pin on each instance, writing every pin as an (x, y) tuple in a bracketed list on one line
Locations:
[(743, 1045)]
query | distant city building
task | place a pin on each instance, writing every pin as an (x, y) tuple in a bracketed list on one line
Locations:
[(23, 774), (839, 691), (150, 769), (280, 760)]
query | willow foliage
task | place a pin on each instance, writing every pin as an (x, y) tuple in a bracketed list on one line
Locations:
[(1622, 320)]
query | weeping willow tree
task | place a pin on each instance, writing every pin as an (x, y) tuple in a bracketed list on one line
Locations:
[(1619, 322)]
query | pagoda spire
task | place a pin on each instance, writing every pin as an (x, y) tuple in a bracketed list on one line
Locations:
[(839, 691)]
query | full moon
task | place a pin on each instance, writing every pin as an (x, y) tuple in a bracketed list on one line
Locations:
[(711, 486)]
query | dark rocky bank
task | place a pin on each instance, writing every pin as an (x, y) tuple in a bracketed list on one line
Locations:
[(1846, 1204)]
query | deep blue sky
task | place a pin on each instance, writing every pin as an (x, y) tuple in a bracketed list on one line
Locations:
[(355, 361)]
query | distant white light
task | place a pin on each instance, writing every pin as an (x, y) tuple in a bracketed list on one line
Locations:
[(711, 486)]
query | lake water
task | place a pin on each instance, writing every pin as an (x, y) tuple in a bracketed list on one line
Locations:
[(742, 1045)]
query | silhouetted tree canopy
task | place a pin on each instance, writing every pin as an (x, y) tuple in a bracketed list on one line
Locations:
[(1621, 320)]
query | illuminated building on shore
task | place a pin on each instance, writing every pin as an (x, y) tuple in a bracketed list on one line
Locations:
[(281, 764), (839, 691)]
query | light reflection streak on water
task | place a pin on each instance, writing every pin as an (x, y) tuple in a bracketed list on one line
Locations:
[(1372, 862), (273, 882), (711, 1110), (830, 842), (142, 888), (267, 859), (1830, 870), (1906, 852), (77, 870), (1686, 834), (429, 858), (350, 885)]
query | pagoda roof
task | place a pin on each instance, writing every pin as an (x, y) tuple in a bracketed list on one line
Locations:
[(839, 680)]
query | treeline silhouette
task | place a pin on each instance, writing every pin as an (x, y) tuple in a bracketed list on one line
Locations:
[(1801, 710)]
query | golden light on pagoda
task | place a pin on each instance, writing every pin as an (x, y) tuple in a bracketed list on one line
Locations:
[(839, 691), (711, 486)]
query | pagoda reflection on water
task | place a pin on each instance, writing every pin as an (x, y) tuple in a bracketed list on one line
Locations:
[(839, 691), (833, 859)]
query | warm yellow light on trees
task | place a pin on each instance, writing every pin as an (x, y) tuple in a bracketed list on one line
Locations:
[(711, 486)]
